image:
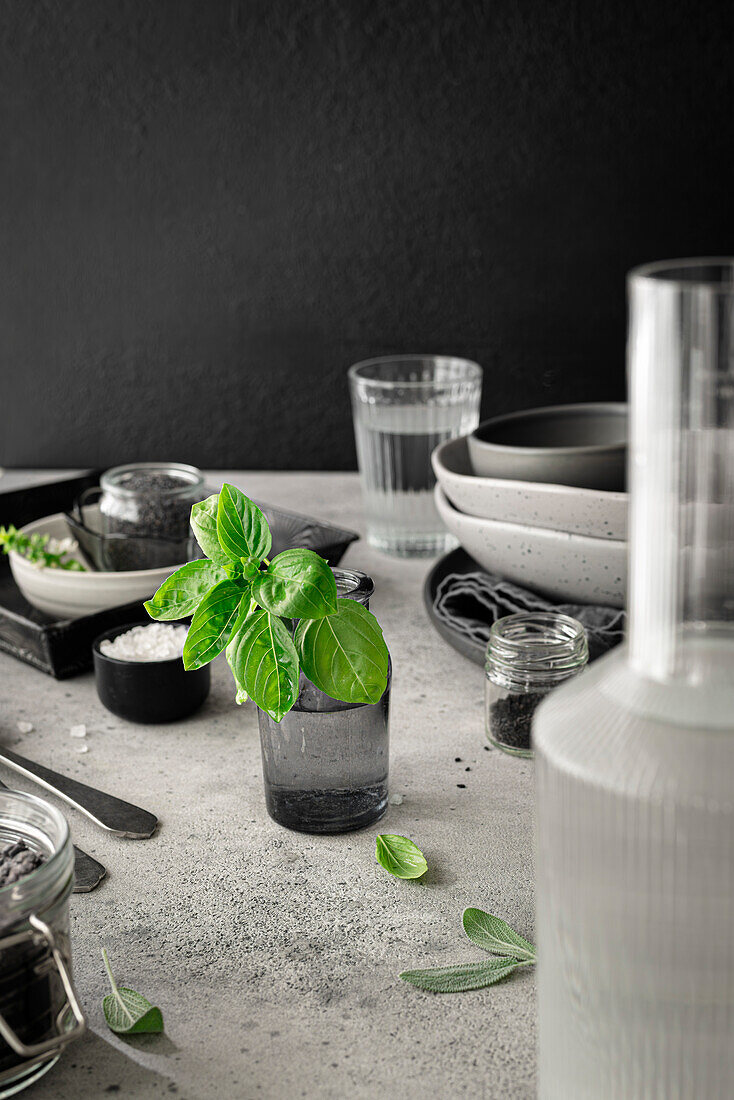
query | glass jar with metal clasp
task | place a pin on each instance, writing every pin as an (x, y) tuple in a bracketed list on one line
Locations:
[(39, 1009)]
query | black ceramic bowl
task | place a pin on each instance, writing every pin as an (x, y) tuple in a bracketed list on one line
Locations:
[(148, 691)]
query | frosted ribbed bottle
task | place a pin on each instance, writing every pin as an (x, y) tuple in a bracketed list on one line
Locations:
[(635, 757)]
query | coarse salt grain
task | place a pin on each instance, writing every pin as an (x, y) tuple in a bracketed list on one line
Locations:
[(25, 727), (78, 731), (82, 748), (154, 642)]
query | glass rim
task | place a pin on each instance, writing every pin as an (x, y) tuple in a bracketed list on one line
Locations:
[(189, 476), (656, 272), (472, 371), (47, 871)]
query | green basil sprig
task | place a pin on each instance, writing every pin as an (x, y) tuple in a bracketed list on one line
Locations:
[(239, 601)]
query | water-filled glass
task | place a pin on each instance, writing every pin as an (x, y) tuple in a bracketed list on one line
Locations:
[(403, 408)]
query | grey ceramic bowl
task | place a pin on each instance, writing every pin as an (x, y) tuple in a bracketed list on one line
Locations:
[(582, 445)]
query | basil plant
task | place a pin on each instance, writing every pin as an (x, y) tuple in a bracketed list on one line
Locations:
[(239, 599)]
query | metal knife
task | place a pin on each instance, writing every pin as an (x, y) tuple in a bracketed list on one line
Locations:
[(110, 813), (88, 872)]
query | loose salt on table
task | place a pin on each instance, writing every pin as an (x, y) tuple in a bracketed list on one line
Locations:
[(153, 642)]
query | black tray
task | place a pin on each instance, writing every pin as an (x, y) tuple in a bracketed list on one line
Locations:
[(63, 647), (456, 561)]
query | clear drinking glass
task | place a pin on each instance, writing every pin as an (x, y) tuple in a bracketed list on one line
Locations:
[(403, 407), (635, 757), (325, 764)]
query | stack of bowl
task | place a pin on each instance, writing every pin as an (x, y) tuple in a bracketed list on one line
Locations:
[(538, 497)]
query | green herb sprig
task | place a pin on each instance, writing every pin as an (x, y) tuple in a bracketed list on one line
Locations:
[(40, 550), (239, 600), (491, 934), (128, 1012)]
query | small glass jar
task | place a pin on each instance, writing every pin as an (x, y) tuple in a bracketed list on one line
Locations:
[(153, 499), (528, 654), (325, 764), (39, 1010)]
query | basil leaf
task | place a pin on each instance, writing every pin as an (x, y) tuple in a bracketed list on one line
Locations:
[(212, 623), (492, 934), (345, 654), (265, 663), (128, 1012), (298, 584), (204, 526), (242, 529), (181, 593), (400, 856), (459, 979)]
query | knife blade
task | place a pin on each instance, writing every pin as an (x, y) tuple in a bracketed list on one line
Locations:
[(105, 810)]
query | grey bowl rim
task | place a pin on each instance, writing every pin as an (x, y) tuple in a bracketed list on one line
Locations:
[(618, 407), (545, 488)]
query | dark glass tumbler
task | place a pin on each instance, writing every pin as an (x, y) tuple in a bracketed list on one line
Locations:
[(325, 765)]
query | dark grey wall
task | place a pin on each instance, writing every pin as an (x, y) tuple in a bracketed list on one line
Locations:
[(210, 209)]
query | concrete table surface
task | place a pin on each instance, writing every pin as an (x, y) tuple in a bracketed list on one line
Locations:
[(275, 955)]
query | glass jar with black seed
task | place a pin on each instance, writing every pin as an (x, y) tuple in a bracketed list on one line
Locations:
[(39, 1011), (528, 655)]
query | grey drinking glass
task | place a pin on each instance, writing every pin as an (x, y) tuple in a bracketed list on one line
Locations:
[(325, 764), (403, 408)]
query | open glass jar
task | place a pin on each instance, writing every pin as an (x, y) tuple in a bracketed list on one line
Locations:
[(325, 764), (528, 654), (39, 1010)]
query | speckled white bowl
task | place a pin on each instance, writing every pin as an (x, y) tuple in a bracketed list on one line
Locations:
[(562, 566), (67, 594), (593, 512)]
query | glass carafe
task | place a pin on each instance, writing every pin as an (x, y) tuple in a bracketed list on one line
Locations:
[(635, 757)]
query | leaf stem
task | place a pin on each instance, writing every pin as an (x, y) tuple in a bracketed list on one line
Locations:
[(110, 975)]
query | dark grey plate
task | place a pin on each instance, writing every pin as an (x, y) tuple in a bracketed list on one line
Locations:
[(457, 561)]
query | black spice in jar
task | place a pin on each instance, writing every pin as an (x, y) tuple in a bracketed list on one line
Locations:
[(159, 507), (511, 716), (30, 993)]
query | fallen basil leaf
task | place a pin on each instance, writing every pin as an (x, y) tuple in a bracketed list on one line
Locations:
[(204, 526), (460, 978), (345, 654), (182, 592), (242, 529), (128, 1012), (493, 934), (298, 584), (213, 622), (400, 856), (265, 663)]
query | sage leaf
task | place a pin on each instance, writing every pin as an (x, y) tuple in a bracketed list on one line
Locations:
[(182, 592), (400, 856), (128, 1012), (204, 526), (492, 934), (298, 584), (213, 623), (460, 978), (345, 654), (242, 529), (265, 663)]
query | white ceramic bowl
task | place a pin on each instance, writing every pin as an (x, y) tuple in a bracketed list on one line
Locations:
[(594, 512), (565, 567), (67, 594)]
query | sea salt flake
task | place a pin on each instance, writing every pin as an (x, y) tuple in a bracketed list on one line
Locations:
[(396, 799), (82, 748), (25, 727), (78, 731)]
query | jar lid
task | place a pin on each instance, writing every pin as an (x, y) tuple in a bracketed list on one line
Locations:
[(536, 649)]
